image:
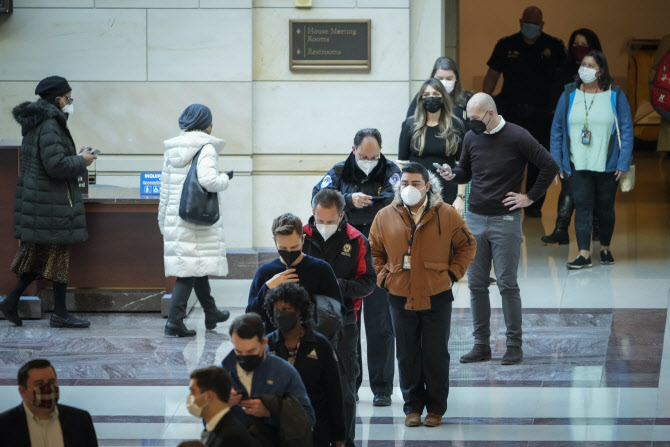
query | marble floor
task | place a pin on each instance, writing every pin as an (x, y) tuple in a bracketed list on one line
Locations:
[(596, 369)]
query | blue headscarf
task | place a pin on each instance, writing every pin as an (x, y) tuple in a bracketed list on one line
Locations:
[(195, 117)]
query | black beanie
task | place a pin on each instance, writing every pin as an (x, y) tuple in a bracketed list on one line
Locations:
[(53, 86)]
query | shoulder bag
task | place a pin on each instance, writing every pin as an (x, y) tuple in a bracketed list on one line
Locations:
[(197, 205)]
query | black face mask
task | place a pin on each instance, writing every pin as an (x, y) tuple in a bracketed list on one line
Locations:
[(249, 362), (478, 126), (432, 103), (286, 320), (289, 257)]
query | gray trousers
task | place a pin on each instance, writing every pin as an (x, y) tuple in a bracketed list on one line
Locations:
[(499, 240)]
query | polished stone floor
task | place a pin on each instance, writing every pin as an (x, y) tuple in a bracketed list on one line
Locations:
[(596, 370)]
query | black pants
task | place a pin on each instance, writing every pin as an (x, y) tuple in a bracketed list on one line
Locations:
[(380, 342), (380, 338), (593, 192), (565, 208), (182, 292), (349, 370), (422, 340)]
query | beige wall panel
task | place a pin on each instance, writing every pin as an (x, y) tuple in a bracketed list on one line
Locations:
[(80, 44), (134, 118), (322, 117), (199, 45), (278, 194)]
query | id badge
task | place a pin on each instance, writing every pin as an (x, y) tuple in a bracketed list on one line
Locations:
[(586, 137), (407, 261)]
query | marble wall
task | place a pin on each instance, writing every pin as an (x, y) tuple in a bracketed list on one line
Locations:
[(135, 64)]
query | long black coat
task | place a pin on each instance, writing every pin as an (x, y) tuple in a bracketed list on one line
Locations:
[(48, 208)]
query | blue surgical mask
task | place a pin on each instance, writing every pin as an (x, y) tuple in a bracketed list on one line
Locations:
[(530, 31)]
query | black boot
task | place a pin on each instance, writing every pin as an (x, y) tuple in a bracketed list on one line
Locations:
[(10, 312), (215, 316), (178, 330), (563, 216)]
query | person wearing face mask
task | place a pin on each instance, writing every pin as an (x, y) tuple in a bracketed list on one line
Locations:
[(312, 356), (529, 62), (420, 248), (330, 237), (495, 155), (292, 265), (581, 42), (434, 135), (192, 252), (259, 379), (210, 392), (40, 421), (367, 173), (592, 141), (445, 70), (49, 214)]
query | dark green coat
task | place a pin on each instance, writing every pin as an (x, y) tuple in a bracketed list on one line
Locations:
[(48, 208)]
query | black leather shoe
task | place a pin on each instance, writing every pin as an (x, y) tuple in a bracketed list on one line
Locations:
[(478, 353), (176, 330), (580, 262), (513, 356), (69, 321), (381, 400), (216, 317), (12, 315), (556, 238)]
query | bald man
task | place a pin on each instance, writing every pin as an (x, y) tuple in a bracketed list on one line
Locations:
[(529, 61), (495, 155)]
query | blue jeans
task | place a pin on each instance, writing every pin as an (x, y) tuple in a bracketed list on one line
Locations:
[(499, 240), (422, 342)]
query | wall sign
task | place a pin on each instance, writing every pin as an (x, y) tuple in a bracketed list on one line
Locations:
[(329, 45), (150, 183)]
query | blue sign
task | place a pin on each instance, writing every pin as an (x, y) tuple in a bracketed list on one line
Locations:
[(150, 183)]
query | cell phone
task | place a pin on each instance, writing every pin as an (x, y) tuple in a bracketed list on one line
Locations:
[(438, 166), (244, 394), (378, 198), (93, 152)]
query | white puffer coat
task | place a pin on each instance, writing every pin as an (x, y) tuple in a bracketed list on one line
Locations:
[(190, 249)]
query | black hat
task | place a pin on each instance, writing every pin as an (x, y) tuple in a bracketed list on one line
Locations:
[(52, 86)]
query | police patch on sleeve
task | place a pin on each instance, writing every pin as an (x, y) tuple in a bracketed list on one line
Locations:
[(394, 179), (327, 181)]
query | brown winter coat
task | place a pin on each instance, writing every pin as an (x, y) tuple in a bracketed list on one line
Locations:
[(442, 245)]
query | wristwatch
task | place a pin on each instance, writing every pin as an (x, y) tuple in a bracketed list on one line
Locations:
[(462, 196)]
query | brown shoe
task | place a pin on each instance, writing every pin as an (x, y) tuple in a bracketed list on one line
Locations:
[(413, 420), (432, 420)]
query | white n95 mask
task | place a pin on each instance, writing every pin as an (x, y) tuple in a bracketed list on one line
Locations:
[(410, 195)]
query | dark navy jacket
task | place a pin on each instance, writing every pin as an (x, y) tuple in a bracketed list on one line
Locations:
[(348, 253), (273, 376), (348, 178), (315, 275)]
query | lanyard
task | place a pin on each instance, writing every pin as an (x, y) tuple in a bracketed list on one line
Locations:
[(413, 225), (586, 111)]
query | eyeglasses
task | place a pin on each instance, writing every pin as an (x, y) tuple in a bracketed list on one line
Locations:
[(69, 100)]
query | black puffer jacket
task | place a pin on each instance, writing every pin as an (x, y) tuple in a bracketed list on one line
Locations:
[(48, 208), (348, 178)]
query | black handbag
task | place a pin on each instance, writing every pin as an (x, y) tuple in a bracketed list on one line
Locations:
[(197, 205)]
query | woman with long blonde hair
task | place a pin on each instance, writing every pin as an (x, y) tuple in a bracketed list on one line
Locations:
[(433, 134)]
